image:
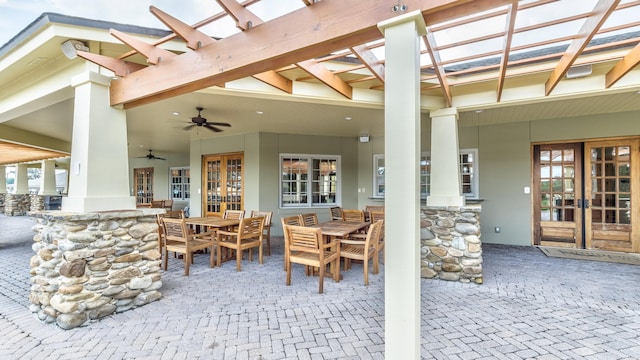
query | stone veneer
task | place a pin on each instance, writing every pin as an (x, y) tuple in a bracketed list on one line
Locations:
[(17, 204), (37, 203), (90, 265), (450, 246)]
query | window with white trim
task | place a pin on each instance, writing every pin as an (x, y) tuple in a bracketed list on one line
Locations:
[(180, 179), (468, 174), (309, 180)]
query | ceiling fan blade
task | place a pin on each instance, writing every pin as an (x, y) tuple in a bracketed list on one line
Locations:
[(219, 124), (211, 127), (188, 127), (158, 158)]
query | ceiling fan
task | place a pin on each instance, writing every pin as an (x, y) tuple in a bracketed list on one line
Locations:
[(150, 156), (200, 121)]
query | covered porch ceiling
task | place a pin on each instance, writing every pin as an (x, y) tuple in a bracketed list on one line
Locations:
[(319, 63)]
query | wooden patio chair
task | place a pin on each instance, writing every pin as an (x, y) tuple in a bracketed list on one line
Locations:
[(168, 205), (180, 240), (353, 215), (289, 220), (248, 235), (233, 214), (267, 226), (362, 250), (305, 246), (161, 231), (336, 213), (157, 203), (309, 219), (373, 217)]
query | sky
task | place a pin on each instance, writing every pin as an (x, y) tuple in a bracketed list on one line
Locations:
[(15, 15)]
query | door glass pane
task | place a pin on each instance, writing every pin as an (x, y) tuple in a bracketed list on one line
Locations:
[(568, 185), (611, 185), (557, 171), (568, 155), (545, 155), (544, 171), (609, 169), (556, 156), (625, 217)]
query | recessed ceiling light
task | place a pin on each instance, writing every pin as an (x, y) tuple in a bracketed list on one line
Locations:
[(175, 113), (259, 112), (347, 118), (479, 111)]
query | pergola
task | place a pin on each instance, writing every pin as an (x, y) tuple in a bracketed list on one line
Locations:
[(422, 53)]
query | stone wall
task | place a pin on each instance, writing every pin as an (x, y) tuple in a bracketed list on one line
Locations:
[(17, 204), (37, 203), (88, 266), (450, 244)]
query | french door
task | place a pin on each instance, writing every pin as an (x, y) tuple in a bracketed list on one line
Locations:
[(143, 183), (223, 181), (587, 195)]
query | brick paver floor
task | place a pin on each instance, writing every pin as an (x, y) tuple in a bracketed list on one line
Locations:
[(530, 307)]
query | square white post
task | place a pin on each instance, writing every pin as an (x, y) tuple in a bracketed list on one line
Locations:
[(445, 160), (402, 185), (48, 178), (99, 172)]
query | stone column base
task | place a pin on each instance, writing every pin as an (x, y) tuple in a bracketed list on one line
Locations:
[(450, 243), (90, 265)]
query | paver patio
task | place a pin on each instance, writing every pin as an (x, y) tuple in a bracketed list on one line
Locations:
[(529, 307)]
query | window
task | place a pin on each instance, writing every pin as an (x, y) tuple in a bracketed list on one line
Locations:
[(378, 175), (468, 174), (179, 183), (309, 180)]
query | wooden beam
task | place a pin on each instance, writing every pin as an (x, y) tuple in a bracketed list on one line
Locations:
[(153, 54), (601, 12), (370, 60), (631, 60), (276, 80), (119, 67), (244, 18), (430, 43), (327, 77), (303, 34), (195, 39), (508, 36)]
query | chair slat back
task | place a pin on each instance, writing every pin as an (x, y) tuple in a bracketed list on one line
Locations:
[(353, 215), (266, 214), (291, 220), (251, 227), (376, 208), (376, 215), (302, 238), (175, 229), (233, 214), (336, 213), (373, 234), (309, 219), (157, 203)]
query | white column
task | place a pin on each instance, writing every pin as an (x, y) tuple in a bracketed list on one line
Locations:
[(48, 178), (3, 179), (445, 161), (21, 183), (98, 175), (402, 192)]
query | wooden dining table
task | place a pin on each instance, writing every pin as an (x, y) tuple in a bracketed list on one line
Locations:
[(202, 224), (340, 229)]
